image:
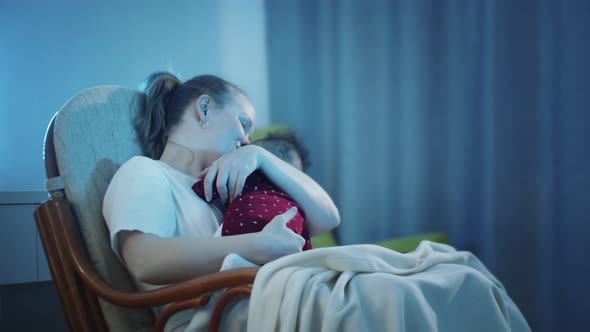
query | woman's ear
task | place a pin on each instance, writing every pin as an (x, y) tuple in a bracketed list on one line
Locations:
[(202, 105)]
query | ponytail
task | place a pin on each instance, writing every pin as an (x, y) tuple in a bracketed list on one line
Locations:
[(166, 99), (151, 123)]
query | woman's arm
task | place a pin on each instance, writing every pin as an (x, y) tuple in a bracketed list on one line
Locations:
[(156, 260), (229, 174), (141, 216), (321, 214)]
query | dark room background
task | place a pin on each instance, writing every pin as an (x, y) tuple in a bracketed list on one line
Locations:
[(466, 117)]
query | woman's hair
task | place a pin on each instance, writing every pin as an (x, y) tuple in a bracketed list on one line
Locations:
[(166, 99)]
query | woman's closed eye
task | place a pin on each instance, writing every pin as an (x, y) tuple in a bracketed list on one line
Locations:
[(246, 124)]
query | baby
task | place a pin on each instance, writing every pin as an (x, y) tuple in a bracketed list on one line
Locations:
[(260, 200)]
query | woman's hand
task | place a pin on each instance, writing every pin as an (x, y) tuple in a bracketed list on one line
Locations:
[(165, 260), (229, 172), (277, 240)]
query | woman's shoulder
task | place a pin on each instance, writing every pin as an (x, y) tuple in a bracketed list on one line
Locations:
[(139, 163), (140, 160), (139, 166)]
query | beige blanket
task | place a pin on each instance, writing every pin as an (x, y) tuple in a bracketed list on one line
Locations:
[(370, 288)]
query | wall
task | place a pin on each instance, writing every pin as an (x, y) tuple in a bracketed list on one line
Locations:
[(51, 51)]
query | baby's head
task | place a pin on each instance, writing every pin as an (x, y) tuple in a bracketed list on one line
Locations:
[(288, 148)]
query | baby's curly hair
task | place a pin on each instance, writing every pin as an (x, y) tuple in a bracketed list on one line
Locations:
[(282, 144)]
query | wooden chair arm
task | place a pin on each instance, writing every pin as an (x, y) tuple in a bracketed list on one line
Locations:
[(178, 292), (59, 211)]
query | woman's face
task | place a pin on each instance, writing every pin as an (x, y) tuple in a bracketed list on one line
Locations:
[(230, 126)]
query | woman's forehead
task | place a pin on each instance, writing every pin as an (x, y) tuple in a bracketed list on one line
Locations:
[(243, 106)]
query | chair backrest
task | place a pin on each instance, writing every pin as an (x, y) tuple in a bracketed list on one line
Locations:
[(93, 135)]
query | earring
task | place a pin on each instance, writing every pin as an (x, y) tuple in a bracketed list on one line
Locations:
[(204, 124), (204, 104)]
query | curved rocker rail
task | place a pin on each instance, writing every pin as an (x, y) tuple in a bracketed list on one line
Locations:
[(79, 285)]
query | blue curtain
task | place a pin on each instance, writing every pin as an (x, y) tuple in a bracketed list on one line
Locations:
[(466, 117)]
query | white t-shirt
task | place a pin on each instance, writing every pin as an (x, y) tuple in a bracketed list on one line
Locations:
[(152, 197)]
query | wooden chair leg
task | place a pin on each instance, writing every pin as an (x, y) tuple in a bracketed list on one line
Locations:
[(179, 306), (80, 306), (223, 300), (58, 267)]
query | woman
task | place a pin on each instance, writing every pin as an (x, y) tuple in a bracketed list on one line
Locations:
[(163, 232), (159, 228)]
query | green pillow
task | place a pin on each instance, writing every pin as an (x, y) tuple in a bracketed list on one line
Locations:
[(403, 244), (410, 243), (264, 132), (325, 240)]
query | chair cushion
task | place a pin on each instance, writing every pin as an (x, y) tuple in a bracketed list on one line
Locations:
[(93, 136)]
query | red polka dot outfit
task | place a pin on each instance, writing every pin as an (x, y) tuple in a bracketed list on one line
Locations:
[(258, 204)]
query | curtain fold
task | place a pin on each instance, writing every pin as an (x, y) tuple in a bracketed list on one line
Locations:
[(466, 117)]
